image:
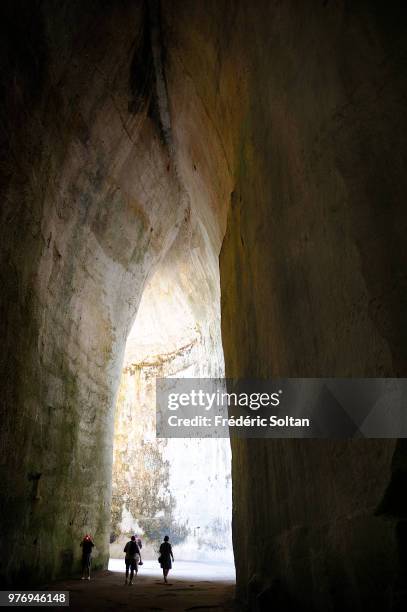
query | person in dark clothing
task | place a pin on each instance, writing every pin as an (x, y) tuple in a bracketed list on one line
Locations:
[(165, 557), (132, 559), (87, 545)]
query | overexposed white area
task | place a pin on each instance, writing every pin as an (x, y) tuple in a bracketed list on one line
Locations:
[(187, 570), (200, 481), (163, 323)]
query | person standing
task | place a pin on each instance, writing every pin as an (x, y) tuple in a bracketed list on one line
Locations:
[(165, 557), (140, 546), (87, 545), (132, 559)]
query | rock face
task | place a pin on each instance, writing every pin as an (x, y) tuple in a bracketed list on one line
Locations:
[(131, 131), (313, 284), (91, 203)]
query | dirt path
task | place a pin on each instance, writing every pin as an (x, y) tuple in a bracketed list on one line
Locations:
[(107, 591)]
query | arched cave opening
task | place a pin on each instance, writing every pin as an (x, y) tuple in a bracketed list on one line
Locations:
[(181, 487)]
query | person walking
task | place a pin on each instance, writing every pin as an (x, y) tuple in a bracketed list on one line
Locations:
[(165, 557), (87, 545), (132, 559)]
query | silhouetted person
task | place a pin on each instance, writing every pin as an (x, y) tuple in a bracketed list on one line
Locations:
[(132, 559), (87, 545), (140, 546), (165, 557)]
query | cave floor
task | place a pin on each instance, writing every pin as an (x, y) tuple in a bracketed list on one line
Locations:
[(196, 587)]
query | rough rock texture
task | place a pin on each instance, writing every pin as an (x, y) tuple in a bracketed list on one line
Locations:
[(90, 203), (313, 284), (284, 122)]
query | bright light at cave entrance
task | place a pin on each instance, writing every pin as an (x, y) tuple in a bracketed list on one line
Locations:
[(180, 487)]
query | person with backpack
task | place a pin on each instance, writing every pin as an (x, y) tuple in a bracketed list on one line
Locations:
[(132, 559)]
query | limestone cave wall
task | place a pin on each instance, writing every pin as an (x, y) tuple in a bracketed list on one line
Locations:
[(313, 284), (90, 203)]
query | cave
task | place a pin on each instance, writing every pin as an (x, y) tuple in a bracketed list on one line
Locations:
[(263, 142)]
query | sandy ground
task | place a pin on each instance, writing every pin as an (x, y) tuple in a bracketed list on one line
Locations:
[(192, 586)]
